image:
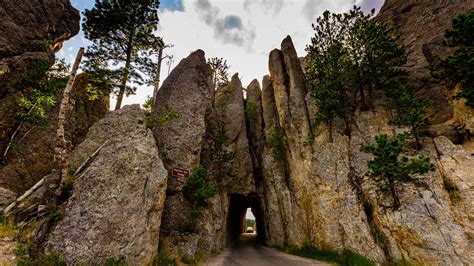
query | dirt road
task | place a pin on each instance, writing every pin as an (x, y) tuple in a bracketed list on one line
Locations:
[(246, 251)]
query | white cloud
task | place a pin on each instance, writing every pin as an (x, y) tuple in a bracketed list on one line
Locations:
[(260, 27)]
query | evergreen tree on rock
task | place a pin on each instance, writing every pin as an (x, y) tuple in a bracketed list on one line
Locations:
[(122, 35)]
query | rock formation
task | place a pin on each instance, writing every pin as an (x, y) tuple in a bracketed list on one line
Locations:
[(182, 106), (263, 151), (34, 159), (23, 42), (421, 26), (30, 33), (117, 202)]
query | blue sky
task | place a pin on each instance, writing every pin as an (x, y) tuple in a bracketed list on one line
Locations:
[(241, 31)]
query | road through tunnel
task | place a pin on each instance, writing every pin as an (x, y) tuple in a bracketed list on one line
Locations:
[(236, 220)]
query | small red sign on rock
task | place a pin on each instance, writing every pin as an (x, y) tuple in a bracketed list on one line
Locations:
[(180, 172)]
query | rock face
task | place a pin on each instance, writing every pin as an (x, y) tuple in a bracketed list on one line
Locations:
[(230, 111), (117, 202), (182, 107), (421, 26), (6, 197), (34, 158), (30, 33), (32, 30)]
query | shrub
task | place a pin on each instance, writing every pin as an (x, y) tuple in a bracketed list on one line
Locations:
[(168, 115), (250, 110), (454, 194), (277, 144), (115, 261), (198, 189)]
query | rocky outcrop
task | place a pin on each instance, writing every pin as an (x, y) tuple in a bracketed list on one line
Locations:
[(421, 26), (32, 31), (231, 123), (317, 193), (117, 202), (182, 107), (33, 159)]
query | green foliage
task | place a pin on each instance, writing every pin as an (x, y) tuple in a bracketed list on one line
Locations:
[(168, 115), (7, 226), (453, 190), (250, 110), (198, 189), (50, 259), (148, 119), (55, 213), (249, 223), (164, 259), (349, 56), (277, 144), (47, 83), (388, 168), (123, 36), (222, 101), (459, 67), (346, 257), (409, 110), (401, 262), (22, 254), (220, 156), (220, 71), (114, 261)]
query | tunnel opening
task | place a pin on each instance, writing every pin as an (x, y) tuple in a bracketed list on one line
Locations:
[(236, 224)]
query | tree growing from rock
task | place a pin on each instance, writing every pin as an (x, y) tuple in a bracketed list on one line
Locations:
[(122, 32), (220, 70), (409, 110), (388, 169), (459, 67), (349, 57)]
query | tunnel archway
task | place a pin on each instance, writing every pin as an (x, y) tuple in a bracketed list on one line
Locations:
[(236, 219)]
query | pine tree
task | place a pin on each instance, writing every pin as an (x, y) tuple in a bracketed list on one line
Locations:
[(409, 110), (388, 169), (459, 67), (122, 32), (349, 57)]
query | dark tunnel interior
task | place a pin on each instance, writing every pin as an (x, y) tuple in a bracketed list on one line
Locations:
[(236, 219)]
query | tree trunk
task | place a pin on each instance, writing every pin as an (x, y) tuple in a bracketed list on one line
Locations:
[(396, 200), (158, 74), (62, 151), (126, 73)]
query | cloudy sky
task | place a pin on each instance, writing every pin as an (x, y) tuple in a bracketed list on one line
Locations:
[(241, 31)]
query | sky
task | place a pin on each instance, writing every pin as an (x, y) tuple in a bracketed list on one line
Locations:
[(241, 31)]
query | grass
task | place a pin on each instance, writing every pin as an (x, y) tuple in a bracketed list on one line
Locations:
[(345, 258), (7, 226), (454, 194)]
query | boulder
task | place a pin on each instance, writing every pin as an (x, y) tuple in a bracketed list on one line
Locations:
[(6, 197), (117, 201)]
